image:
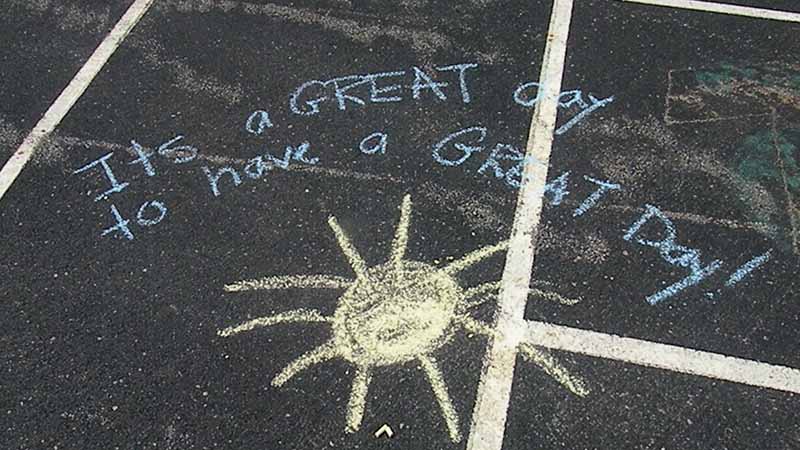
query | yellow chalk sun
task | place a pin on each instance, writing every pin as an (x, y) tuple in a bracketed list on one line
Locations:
[(393, 313)]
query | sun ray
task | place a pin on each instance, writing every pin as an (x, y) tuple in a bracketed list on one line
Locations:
[(353, 257), (554, 297), (474, 257), (481, 289), (358, 398), (400, 242), (291, 282), (553, 368), (489, 292), (476, 327), (298, 315), (442, 397), (541, 283), (318, 355)]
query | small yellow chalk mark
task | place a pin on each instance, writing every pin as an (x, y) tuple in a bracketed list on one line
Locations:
[(353, 257), (390, 314), (553, 297), (384, 429), (320, 354), (358, 399), (483, 292), (552, 367), (436, 380), (488, 291), (291, 282), (400, 242), (299, 315), (474, 257)]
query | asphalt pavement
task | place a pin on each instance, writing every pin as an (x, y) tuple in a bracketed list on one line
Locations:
[(284, 225)]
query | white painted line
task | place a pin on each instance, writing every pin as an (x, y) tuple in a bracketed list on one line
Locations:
[(723, 8), (494, 392), (71, 93), (663, 356)]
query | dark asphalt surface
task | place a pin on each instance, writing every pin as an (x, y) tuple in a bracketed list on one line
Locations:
[(111, 343), (44, 44)]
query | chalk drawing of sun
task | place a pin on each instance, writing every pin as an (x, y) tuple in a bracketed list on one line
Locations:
[(398, 312)]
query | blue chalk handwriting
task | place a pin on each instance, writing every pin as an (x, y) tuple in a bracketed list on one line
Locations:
[(340, 90), (469, 141), (116, 186), (140, 215), (375, 92), (176, 154), (462, 79), (257, 167), (423, 81), (581, 115), (258, 122), (311, 104), (121, 225), (143, 159), (574, 97), (500, 152), (458, 147), (465, 149), (497, 160), (464, 143), (359, 90), (507, 152), (215, 176), (181, 154), (292, 153), (747, 268), (672, 253), (567, 99), (557, 189), (521, 94), (374, 143), (605, 187), (692, 279), (513, 175)]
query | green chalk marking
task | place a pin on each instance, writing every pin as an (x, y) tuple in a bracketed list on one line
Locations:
[(758, 161)]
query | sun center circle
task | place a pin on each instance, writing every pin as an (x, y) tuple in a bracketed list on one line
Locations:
[(395, 313)]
